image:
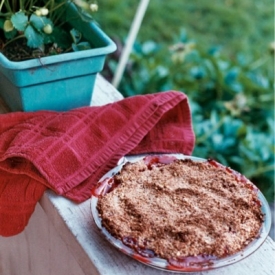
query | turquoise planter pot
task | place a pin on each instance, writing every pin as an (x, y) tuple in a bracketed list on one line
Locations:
[(61, 82)]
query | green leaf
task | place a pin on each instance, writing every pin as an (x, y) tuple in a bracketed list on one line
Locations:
[(11, 34), (86, 17), (2, 20), (76, 35), (19, 20), (81, 46), (59, 36), (8, 35), (39, 22), (34, 39)]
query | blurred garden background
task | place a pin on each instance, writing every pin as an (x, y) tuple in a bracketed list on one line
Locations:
[(221, 54)]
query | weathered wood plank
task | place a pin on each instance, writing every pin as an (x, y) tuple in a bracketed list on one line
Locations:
[(78, 228), (38, 250)]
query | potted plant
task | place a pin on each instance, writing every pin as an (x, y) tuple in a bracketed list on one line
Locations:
[(63, 50)]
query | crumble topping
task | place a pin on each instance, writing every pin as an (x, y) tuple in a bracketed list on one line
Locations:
[(181, 209)]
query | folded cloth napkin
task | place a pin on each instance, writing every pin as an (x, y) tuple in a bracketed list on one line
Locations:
[(68, 152)]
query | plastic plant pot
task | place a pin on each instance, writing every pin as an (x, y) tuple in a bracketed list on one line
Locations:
[(60, 82)]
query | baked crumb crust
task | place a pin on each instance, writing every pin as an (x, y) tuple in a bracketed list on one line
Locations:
[(181, 209)]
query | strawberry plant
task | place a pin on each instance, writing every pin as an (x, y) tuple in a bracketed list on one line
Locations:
[(37, 23)]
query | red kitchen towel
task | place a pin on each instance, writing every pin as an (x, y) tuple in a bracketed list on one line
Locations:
[(68, 152)]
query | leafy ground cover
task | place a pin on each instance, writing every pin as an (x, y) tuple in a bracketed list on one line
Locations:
[(235, 25), (217, 53)]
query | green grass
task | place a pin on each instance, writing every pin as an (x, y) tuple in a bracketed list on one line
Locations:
[(244, 26)]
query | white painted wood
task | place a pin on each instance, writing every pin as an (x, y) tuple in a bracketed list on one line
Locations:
[(62, 238), (79, 230), (38, 250), (104, 92)]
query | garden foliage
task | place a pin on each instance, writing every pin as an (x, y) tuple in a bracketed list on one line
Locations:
[(231, 102), (40, 23)]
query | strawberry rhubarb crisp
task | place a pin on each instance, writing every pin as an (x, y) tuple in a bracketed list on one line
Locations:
[(181, 208)]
